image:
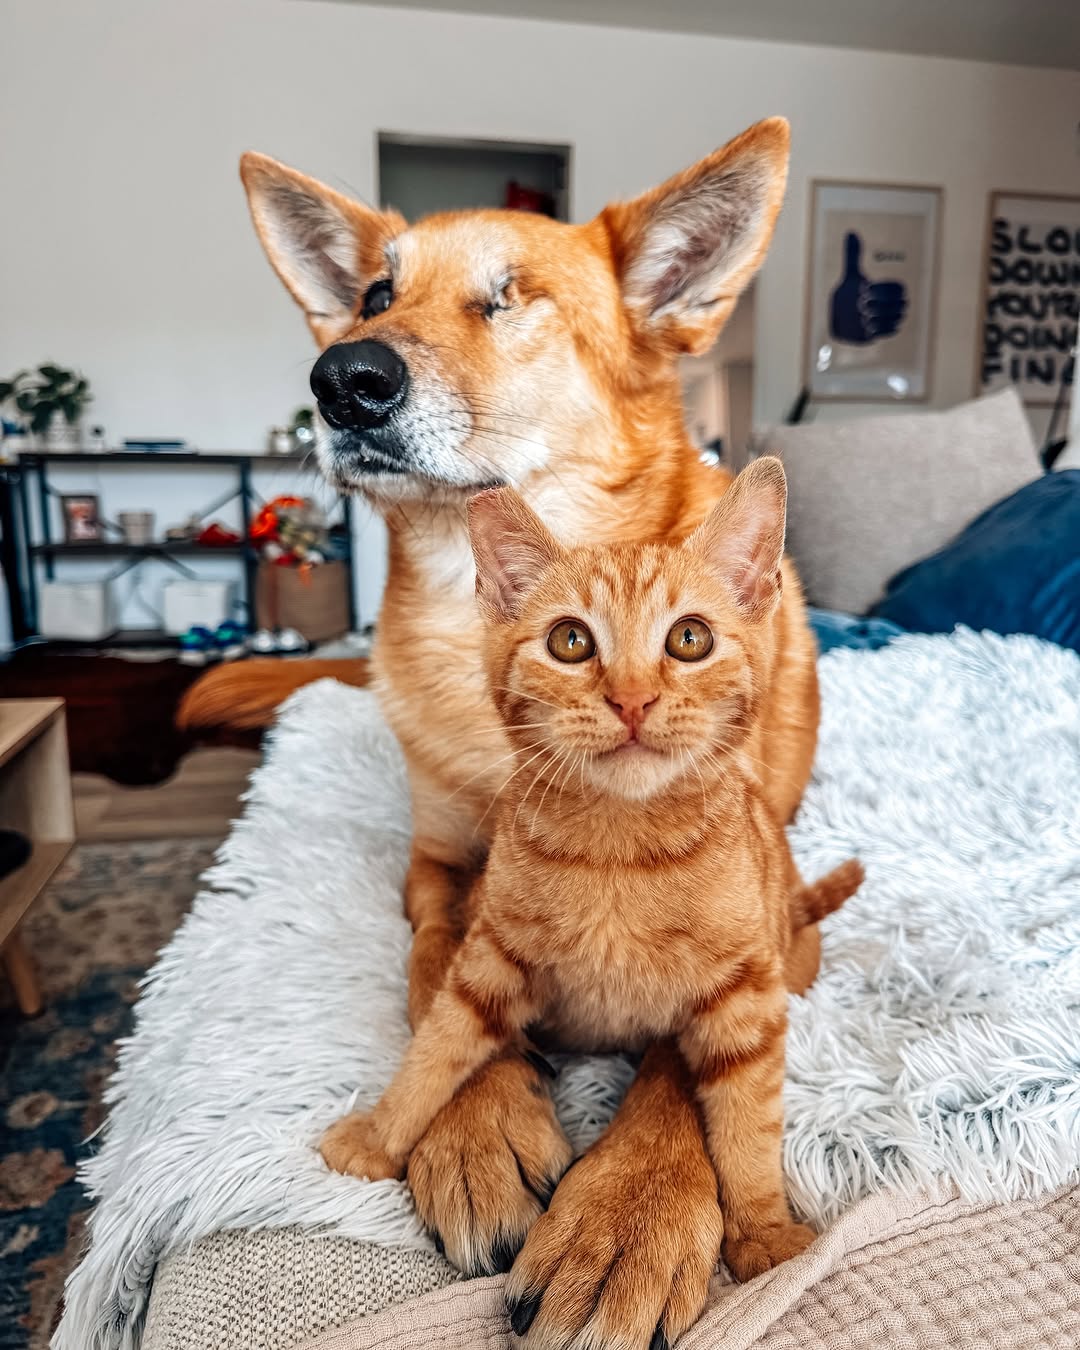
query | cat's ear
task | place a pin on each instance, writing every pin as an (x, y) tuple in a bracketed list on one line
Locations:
[(512, 547), (742, 540), (326, 248), (686, 249)]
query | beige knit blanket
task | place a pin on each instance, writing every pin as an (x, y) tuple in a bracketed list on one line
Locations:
[(914, 1272)]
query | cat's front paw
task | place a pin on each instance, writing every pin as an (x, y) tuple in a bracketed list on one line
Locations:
[(753, 1253), (351, 1145)]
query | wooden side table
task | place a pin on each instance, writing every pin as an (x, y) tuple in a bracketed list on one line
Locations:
[(35, 798)]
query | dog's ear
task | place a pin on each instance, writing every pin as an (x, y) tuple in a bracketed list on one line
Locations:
[(742, 538), (326, 248), (686, 249), (512, 547)]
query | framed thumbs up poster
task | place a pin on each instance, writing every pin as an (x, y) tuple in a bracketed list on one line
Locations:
[(872, 291)]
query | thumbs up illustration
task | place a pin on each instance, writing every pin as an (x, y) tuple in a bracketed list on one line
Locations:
[(860, 310)]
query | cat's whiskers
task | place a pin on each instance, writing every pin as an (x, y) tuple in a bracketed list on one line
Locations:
[(566, 779), (547, 787), (488, 768), (525, 797), (544, 750), (689, 758), (520, 693)]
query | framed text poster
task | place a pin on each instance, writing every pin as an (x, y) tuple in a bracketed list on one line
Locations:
[(1031, 295)]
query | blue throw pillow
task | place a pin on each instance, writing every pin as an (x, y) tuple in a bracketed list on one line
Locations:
[(832, 628), (1015, 569)]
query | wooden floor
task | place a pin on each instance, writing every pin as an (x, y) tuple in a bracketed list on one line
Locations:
[(202, 798)]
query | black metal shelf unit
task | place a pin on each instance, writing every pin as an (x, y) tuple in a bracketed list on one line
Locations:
[(31, 471)]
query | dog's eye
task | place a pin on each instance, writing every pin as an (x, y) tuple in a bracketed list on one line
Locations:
[(689, 640), (501, 301), (379, 297), (570, 641)]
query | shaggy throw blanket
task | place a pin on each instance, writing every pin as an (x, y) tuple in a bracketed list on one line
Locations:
[(942, 1037)]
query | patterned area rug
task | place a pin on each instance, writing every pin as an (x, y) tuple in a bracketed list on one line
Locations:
[(93, 933)]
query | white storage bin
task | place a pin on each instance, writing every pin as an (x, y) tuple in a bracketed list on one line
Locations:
[(187, 603), (76, 611)]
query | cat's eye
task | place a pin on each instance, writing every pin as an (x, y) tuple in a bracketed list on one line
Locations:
[(571, 641), (378, 299), (689, 640)]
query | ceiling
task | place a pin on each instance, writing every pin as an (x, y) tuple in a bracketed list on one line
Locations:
[(1019, 32)]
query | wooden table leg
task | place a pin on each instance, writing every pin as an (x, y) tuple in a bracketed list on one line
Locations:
[(22, 973)]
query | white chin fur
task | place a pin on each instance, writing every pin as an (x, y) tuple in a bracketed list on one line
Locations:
[(635, 775)]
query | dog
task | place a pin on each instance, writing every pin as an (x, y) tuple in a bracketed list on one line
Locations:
[(482, 348)]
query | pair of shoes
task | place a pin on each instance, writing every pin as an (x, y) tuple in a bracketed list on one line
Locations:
[(199, 646), (279, 642)]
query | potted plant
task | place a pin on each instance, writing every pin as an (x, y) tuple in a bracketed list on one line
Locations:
[(50, 401)]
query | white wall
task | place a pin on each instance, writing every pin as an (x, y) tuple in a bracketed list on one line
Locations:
[(125, 246)]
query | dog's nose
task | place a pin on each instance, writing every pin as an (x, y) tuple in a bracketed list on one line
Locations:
[(631, 705), (358, 384)]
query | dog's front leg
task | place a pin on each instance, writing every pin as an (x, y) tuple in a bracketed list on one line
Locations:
[(488, 1163), (624, 1255)]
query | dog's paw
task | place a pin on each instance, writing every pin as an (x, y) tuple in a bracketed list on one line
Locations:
[(351, 1146), (488, 1164), (624, 1255), (750, 1254)]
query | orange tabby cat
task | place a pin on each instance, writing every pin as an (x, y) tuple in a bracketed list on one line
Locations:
[(638, 886)]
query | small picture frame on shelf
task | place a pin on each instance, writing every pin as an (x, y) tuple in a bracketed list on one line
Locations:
[(82, 518)]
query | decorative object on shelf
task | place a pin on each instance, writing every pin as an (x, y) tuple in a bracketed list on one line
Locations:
[(279, 442), (156, 446), (871, 291), (95, 440), (51, 401), (216, 535), (1031, 296), (82, 518), (137, 527), (302, 428), (291, 531)]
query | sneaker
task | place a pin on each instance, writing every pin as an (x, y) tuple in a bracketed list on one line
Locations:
[(198, 647), (231, 641)]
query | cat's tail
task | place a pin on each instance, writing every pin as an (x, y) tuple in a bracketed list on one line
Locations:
[(816, 899)]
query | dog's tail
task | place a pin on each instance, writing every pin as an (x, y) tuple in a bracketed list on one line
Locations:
[(816, 899), (245, 695)]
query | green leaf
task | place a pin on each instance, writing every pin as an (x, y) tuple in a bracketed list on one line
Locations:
[(52, 372), (7, 388), (26, 402), (41, 418)]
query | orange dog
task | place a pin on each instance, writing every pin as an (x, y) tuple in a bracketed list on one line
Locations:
[(482, 348)]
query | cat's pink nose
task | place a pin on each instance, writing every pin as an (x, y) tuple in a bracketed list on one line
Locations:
[(631, 705)]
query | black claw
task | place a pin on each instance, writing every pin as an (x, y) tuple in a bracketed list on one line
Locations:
[(537, 1060), (523, 1312), (659, 1340), (440, 1245), (502, 1255)]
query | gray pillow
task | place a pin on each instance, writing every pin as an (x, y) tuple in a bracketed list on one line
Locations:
[(871, 495)]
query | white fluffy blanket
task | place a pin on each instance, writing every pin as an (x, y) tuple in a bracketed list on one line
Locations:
[(943, 1036)]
